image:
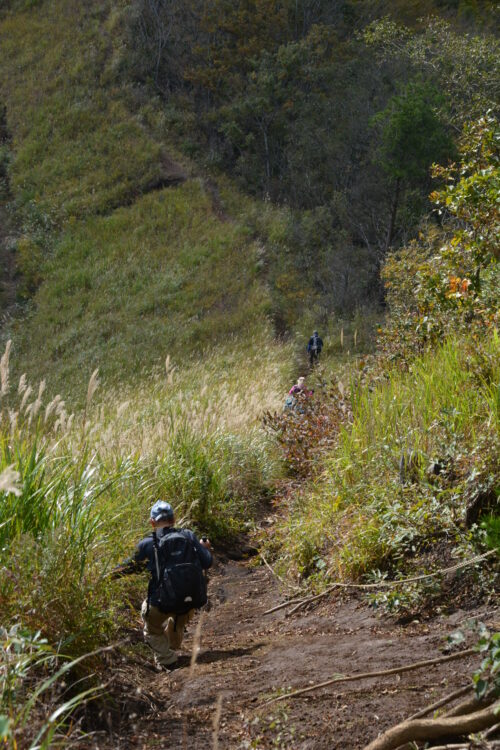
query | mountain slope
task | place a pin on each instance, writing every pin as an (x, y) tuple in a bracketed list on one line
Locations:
[(137, 254)]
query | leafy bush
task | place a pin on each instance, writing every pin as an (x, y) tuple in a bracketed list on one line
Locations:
[(487, 678), (447, 282), (309, 429), (492, 527)]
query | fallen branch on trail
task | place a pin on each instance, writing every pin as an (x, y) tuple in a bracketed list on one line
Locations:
[(432, 729), (282, 606), (382, 584), (366, 675), (278, 577)]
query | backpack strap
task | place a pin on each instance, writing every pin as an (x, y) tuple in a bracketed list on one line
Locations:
[(157, 566)]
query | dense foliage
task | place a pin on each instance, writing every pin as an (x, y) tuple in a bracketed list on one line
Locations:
[(448, 281), (75, 497), (330, 109), (127, 250)]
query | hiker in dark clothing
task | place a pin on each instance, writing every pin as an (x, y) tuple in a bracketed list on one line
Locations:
[(314, 348), (164, 622)]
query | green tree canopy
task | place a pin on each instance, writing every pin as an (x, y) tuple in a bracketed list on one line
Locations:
[(413, 136)]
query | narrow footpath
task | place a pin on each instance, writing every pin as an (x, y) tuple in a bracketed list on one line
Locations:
[(246, 657)]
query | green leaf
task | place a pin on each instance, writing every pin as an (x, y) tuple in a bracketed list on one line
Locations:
[(481, 688), (5, 733)]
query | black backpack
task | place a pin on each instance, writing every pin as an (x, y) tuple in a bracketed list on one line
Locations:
[(179, 581)]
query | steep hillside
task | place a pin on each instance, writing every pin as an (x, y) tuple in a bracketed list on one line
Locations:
[(133, 253), (135, 241)]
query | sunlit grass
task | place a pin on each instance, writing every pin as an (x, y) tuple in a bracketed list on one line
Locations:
[(378, 496), (128, 276)]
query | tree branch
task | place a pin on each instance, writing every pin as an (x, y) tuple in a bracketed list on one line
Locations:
[(382, 584), (366, 675), (443, 702)]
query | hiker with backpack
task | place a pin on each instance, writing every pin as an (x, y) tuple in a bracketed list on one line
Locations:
[(300, 388), (297, 391), (176, 560), (314, 348)]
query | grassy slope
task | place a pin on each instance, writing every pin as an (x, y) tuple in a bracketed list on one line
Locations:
[(131, 274), (361, 513)]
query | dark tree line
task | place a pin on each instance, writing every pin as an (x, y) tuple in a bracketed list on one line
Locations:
[(329, 108)]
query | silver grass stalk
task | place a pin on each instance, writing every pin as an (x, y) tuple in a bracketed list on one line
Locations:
[(23, 384), (13, 420), (9, 481), (37, 405), (60, 407), (51, 407), (4, 369), (216, 723), (196, 645), (27, 394), (93, 386), (122, 408)]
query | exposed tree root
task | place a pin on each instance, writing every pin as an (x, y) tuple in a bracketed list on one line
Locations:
[(468, 706), (442, 702), (365, 675), (431, 729)]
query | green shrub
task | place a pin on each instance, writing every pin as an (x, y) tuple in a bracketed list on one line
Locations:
[(492, 527), (448, 280), (36, 718)]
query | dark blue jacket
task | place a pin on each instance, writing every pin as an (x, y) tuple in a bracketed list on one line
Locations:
[(315, 341), (144, 557)]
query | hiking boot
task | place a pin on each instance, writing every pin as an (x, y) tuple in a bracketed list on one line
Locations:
[(166, 667)]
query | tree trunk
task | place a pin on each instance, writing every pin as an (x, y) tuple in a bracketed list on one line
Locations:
[(394, 209)]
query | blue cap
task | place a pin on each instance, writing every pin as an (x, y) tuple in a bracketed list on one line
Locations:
[(162, 511)]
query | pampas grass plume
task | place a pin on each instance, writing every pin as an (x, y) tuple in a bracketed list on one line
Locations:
[(4, 369)]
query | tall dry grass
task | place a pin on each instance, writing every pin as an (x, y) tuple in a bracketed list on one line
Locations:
[(75, 489)]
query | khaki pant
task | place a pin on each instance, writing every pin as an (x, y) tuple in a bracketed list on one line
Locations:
[(164, 632)]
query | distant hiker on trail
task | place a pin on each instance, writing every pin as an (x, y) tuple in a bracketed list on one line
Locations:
[(176, 559), (314, 348), (297, 392), (299, 387)]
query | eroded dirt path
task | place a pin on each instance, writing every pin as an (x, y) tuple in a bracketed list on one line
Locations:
[(246, 657)]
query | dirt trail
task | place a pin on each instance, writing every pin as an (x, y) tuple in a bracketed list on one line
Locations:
[(246, 657)]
